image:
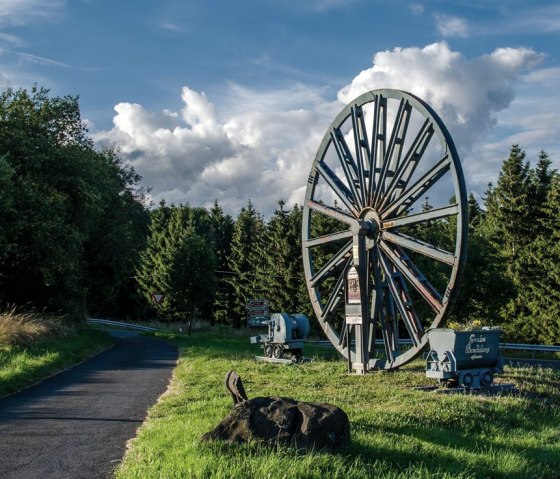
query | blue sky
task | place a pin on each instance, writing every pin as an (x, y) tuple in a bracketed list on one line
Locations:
[(229, 99)]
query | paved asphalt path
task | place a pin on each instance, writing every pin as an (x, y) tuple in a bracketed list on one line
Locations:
[(75, 425)]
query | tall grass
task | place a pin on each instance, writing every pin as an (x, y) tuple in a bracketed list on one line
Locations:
[(35, 345), (24, 328)]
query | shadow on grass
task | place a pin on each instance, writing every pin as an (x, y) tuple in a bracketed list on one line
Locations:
[(451, 446)]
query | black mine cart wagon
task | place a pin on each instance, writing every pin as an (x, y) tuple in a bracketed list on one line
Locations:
[(467, 359)]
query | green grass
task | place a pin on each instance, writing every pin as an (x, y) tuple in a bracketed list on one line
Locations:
[(397, 432), (23, 365)]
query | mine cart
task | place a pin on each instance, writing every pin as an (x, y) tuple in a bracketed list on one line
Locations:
[(468, 359), (286, 335)]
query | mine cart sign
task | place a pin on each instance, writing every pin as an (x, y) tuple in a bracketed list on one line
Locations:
[(258, 312), (476, 346)]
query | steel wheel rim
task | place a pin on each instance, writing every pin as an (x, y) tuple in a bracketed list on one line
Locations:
[(385, 204)]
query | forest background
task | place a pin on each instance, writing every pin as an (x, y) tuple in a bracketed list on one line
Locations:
[(78, 236)]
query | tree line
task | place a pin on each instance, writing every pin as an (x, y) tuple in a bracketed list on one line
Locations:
[(72, 218), (77, 235)]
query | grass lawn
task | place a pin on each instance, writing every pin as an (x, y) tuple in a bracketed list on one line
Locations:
[(23, 365), (396, 432)]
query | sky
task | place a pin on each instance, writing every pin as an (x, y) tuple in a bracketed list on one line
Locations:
[(229, 99)]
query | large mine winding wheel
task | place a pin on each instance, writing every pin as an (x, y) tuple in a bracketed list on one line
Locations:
[(374, 273)]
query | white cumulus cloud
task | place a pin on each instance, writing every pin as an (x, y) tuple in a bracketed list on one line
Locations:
[(260, 144), (262, 151), (467, 94)]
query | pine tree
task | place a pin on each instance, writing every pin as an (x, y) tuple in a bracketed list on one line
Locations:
[(221, 238), (540, 181), (177, 263), (281, 271), (476, 214), (242, 262), (541, 275), (514, 223), (484, 288), (509, 207)]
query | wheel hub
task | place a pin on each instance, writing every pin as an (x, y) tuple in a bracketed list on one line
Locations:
[(370, 226)]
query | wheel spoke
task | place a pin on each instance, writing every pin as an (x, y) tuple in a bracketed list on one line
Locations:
[(403, 302), (408, 166), (380, 298), (330, 238), (393, 156), (390, 326), (418, 189), (337, 186), (378, 144), (361, 145), (343, 333), (333, 213), (337, 260), (433, 214), (386, 314), (335, 298), (405, 265), (348, 164), (421, 247)]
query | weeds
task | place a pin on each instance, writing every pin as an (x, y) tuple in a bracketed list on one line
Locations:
[(24, 328)]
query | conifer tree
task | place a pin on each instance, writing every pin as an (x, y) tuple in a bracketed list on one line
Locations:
[(178, 264), (509, 207), (540, 181), (221, 238), (540, 267), (484, 288), (243, 261), (476, 214), (514, 222), (281, 272)]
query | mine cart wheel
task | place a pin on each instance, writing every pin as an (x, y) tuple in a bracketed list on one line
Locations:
[(383, 156), (448, 383), (487, 379), (466, 380), (298, 354), (268, 351), (278, 351)]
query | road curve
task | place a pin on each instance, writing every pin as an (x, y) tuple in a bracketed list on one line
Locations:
[(76, 424)]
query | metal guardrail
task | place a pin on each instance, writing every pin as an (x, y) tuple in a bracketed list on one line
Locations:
[(107, 322), (531, 347), (542, 348)]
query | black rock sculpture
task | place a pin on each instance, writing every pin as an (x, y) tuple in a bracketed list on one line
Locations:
[(281, 421)]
